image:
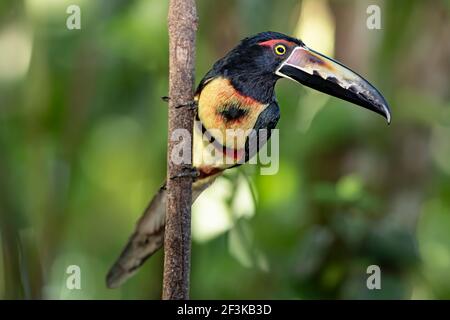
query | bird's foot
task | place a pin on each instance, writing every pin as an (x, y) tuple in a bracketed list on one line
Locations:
[(191, 105), (191, 172)]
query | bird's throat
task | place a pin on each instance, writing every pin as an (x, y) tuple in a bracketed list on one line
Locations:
[(259, 87)]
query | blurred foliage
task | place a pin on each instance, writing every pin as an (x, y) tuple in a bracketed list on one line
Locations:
[(83, 148)]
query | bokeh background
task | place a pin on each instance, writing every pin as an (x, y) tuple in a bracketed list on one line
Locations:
[(83, 136)]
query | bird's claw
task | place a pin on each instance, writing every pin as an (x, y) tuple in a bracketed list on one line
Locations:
[(191, 172), (191, 105)]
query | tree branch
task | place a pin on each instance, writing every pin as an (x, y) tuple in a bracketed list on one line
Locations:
[(182, 21)]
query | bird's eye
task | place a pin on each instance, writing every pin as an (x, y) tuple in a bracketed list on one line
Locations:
[(280, 49)]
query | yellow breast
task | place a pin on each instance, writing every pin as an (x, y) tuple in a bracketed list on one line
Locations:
[(224, 112)]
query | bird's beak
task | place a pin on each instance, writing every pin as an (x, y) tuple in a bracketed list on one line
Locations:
[(324, 74)]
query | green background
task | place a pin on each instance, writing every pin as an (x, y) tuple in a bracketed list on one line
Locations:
[(83, 135)]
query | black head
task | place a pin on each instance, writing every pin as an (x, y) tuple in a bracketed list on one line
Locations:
[(255, 65), (251, 65), (263, 52)]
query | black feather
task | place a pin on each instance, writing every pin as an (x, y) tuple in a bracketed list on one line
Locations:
[(250, 67)]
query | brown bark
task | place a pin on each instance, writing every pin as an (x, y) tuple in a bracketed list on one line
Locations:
[(182, 23)]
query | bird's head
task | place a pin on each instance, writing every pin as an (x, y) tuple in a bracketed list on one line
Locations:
[(258, 62)]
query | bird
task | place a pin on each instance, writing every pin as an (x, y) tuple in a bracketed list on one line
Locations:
[(238, 93)]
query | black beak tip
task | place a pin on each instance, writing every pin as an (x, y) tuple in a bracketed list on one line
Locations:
[(386, 112), (380, 106), (376, 102)]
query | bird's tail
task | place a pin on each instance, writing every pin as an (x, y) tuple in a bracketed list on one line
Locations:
[(148, 236)]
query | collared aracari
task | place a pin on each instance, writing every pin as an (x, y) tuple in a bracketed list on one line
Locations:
[(238, 93)]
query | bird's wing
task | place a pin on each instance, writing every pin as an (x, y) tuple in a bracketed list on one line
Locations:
[(147, 238), (148, 235), (207, 78), (266, 122)]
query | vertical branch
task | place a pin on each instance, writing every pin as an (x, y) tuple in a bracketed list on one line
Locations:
[(182, 22)]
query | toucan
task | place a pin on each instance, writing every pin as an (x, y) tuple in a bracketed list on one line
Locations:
[(238, 93)]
